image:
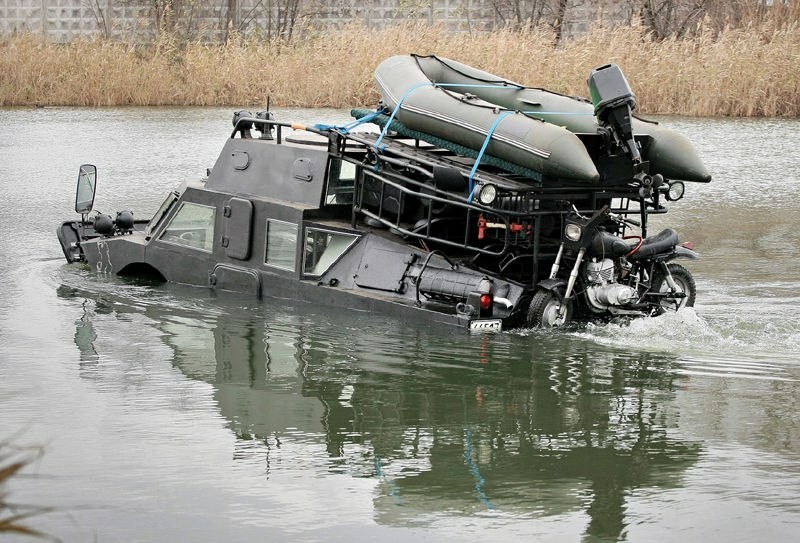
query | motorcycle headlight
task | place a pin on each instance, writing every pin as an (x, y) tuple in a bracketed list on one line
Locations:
[(675, 191), (573, 232), (487, 194)]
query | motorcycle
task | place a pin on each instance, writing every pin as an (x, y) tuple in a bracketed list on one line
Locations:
[(598, 271)]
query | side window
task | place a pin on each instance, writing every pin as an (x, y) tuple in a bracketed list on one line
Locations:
[(166, 205), (281, 245), (341, 180), (323, 248), (192, 226)]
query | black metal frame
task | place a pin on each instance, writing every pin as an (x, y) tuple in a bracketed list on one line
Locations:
[(407, 169)]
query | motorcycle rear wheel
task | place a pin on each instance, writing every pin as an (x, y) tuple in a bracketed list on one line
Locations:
[(544, 310), (683, 280)]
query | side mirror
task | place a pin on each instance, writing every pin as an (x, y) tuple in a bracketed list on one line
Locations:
[(87, 182)]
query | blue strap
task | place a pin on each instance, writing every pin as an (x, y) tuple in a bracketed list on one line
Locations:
[(475, 470), (393, 491), (344, 129), (432, 84), (396, 109), (385, 130), (483, 149)]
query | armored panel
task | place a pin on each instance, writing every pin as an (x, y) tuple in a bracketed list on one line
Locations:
[(287, 172), (236, 279), (238, 220), (383, 266)]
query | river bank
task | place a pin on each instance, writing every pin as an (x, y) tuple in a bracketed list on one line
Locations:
[(743, 72)]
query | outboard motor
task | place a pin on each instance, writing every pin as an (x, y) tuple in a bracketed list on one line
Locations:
[(613, 102)]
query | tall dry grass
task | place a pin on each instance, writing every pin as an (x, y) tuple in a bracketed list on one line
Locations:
[(13, 517), (753, 70)]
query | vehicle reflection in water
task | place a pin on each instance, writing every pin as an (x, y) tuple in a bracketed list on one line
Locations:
[(451, 425), (85, 335)]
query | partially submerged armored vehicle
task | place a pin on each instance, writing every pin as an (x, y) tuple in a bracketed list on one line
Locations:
[(459, 210)]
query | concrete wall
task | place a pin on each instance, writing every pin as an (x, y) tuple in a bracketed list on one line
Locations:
[(64, 20), (134, 20)]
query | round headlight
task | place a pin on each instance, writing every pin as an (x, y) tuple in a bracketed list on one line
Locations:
[(124, 221), (487, 194), (572, 232), (675, 191), (104, 224)]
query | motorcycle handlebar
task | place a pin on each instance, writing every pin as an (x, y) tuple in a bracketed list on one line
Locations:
[(620, 219)]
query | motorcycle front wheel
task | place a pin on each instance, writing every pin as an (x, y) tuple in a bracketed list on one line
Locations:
[(545, 310), (684, 283)]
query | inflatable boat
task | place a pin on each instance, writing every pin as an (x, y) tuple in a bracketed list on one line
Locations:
[(554, 134)]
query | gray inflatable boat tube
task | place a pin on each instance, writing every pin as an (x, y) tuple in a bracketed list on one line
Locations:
[(459, 115), (670, 153)]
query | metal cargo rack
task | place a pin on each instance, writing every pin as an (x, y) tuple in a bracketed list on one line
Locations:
[(399, 176)]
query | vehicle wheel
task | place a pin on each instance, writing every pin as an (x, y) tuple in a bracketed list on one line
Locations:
[(684, 283), (544, 310)]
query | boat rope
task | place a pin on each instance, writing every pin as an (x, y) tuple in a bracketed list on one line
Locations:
[(557, 113), (472, 185), (345, 129), (495, 82)]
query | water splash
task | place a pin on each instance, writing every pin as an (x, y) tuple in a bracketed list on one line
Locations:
[(667, 333), (733, 345)]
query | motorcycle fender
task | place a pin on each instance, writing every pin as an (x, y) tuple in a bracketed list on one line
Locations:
[(556, 286), (683, 252)]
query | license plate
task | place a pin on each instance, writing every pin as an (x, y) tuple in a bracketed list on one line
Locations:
[(485, 325)]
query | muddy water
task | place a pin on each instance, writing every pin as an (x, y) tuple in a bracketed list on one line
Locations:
[(165, 413)]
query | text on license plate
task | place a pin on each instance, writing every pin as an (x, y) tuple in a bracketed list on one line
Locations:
[(486, 325)]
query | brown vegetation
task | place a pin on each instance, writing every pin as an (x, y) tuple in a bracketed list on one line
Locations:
[(14, 516), (749, 70)]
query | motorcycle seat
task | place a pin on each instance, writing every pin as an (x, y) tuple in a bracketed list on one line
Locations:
[(611, 246), (662, 242), (608, 245)]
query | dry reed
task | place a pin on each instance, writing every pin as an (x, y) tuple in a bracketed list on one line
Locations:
[(752, 70), (14, 516)]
